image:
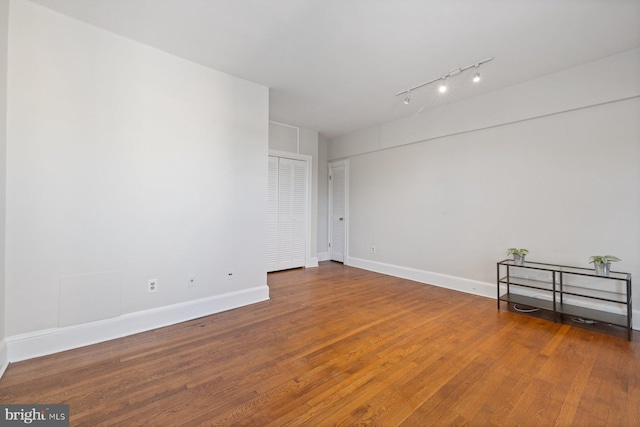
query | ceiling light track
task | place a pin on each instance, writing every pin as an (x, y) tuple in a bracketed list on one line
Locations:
[(443, 79)]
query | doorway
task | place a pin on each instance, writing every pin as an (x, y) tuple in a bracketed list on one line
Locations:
[(339, 210)]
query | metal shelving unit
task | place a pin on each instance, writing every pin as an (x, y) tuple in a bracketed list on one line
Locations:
[(566, 290)]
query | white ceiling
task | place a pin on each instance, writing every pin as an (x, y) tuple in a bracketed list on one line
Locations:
[(335, 65)]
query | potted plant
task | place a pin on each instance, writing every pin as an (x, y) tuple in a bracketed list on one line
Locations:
[(602, 263), (518, 255)]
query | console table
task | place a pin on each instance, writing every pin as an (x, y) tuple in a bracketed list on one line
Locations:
[(564, 290)]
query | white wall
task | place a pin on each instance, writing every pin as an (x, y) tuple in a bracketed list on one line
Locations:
[(309, 145), (298, 140), (126, 164), (284, 137), (323, 200), (4, 33), (551, 165)]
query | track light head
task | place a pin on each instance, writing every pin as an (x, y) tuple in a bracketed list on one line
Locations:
[(443, 86), (407, 100), (476, 76)]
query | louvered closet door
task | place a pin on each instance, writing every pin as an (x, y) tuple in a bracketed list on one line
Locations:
[(299, 214), (287, 214), (272, 216)]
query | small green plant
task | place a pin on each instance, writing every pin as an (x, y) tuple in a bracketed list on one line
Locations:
[(603, 259), (519, 252)]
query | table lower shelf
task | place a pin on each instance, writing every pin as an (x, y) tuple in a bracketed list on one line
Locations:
[(570, 310)]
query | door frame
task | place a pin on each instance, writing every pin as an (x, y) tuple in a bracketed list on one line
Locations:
[(345, 163), (306, 158)]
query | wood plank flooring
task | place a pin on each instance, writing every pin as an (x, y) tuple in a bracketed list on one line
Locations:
[(337, 345)]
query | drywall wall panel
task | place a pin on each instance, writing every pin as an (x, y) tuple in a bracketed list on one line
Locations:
[(283, 137), (363, 141), (309, 145), (564, 186), (124, 158), (4, 40), (323, 199), (89, 297)]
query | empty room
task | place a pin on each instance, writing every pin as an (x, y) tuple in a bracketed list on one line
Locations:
[(318, 213)]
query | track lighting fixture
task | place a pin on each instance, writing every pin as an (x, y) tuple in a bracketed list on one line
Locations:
[(442, 87)]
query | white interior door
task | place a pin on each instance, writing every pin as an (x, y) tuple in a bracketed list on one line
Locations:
[(272, 215), (287, 213), (299, 214), (337, 211)]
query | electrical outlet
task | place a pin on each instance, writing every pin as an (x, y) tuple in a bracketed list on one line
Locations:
[(373, 249), (152, 285), (191, 281)]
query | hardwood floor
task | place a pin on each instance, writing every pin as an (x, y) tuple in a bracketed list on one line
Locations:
[(337, 345)]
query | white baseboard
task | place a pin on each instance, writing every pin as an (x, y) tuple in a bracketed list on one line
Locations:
[(469, 286), (49, 341), (4, 358), (311, 262), (323, 256), (437, 279)]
